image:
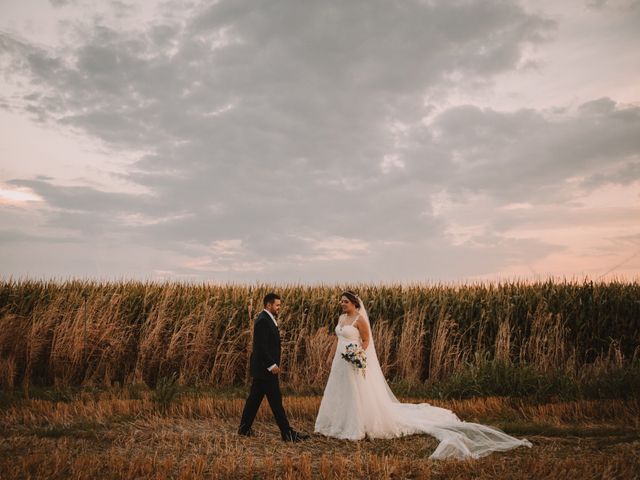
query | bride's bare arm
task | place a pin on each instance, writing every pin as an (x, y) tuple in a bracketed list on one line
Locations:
[(333, 352), (363, 328), (335, 346)]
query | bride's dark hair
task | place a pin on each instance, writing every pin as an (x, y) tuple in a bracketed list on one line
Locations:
[(353, 298)]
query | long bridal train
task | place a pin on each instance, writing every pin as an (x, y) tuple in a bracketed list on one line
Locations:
[(354, 406)]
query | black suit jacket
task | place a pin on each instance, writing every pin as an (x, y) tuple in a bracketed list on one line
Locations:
[(266, 346)]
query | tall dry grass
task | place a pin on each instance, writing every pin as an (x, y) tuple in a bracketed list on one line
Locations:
[(89, 333)]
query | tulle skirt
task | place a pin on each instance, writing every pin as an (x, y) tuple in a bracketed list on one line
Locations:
[(354, 407)]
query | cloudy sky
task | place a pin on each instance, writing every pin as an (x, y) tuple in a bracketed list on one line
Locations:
[(320, 141)]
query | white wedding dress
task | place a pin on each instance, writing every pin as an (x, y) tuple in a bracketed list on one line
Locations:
[(354, 406)]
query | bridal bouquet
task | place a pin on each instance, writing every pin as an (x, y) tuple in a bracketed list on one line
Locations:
[(356, 356)]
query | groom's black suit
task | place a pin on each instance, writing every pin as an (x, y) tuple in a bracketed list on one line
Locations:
[(265, 353)]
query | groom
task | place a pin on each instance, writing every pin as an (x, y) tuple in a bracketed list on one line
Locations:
[(265, 360)]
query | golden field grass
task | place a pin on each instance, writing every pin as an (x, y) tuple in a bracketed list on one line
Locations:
[(83, 332), (121, 433)]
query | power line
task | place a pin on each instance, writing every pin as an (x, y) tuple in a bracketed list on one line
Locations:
[(635, 254)]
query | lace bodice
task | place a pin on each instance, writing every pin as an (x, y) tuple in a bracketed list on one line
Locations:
[(348, 332)]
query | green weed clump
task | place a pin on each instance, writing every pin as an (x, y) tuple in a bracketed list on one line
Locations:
[(166, 392)]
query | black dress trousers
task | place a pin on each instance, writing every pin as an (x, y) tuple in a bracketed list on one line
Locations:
[(259, 388)]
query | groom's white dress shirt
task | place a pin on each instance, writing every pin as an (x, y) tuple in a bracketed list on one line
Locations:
[(276, 323)]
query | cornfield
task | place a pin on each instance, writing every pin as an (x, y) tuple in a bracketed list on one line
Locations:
[(83, 332)]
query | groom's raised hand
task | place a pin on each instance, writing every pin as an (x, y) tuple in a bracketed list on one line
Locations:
[(275, 370)]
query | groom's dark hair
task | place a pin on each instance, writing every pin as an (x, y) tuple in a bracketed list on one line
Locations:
[(270, 298)]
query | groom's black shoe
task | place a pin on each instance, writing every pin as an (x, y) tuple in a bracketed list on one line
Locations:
[(293, 436), (246, 433)]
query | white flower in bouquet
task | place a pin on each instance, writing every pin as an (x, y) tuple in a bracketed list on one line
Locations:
[(356, 356)]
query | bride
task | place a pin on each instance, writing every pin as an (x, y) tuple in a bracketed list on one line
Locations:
[(355, 405)]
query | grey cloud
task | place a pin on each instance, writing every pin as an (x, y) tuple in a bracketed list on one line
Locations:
[(13, 236), (295, 67), (601, 106), (434, 259), (595, 4), (621, 5), (524, 155), (269, 124), (626, 175), (61, 3), (83, 198)]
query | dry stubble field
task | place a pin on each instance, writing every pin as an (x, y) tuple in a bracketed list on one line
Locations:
[(114, 434)]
